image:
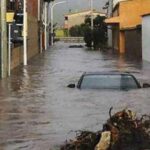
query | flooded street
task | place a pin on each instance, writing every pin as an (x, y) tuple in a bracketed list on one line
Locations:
[(38, 111)]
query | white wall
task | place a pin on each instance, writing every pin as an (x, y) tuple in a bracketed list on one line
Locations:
[(115, 2), (146, 38), (109, 30)]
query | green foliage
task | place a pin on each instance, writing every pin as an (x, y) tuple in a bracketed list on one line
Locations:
[(98, 36), (66, 32), (99, 33), (76, 31)]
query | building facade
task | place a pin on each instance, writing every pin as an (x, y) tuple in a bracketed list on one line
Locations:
[(24, 32), (16, 6), (78, 18), (34, 29), (126, 23)]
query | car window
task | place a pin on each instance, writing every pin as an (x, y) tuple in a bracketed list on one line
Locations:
[(108, 82)]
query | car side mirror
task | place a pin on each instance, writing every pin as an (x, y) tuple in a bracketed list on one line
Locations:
[(71, 86), (146, 85)]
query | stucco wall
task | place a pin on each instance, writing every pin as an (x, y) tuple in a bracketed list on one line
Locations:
[(33, 42), (32, 7), (131, 11), (146, 38)]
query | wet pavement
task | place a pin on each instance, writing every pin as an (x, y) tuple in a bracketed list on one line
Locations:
[(38, 111)]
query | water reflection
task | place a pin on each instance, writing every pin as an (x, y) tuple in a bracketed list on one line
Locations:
[(38, 111)]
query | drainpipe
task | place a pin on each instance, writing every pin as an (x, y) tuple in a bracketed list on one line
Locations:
[(52, 41), (45, 25), (25, 33), (39, 10), (4, 53), (9, 49)]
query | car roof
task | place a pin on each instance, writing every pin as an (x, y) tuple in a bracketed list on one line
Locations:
[(107, 73)]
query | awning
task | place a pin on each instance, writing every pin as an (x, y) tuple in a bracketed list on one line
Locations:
[(113, 20)]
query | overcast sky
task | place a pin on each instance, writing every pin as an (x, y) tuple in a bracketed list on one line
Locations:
[(74, 6)]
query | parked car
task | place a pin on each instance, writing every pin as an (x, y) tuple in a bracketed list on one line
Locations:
[(108, 80)]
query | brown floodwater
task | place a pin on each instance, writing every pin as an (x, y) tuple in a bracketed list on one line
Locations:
[(38, 111)]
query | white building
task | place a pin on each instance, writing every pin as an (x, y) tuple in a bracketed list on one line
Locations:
[(146, 37), (78, 18)]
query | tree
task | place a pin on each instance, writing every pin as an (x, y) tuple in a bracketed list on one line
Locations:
[(77, 30), (99, 34)]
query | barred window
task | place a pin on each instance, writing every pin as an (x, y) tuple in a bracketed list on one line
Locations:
[(15, 5), (10, 5)]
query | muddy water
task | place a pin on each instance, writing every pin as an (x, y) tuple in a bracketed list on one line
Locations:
[(37, 111)]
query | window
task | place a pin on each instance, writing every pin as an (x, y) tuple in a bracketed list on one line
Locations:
[(108, 82), (66, 18), (10, 5), (15, 5)]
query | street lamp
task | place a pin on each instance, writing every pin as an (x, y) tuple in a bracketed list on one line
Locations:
[(51, 8), (92, 15)]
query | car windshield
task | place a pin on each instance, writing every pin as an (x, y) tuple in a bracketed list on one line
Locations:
[(123, 82)]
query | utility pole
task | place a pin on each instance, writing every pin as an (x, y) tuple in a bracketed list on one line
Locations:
[(3, 50), (109, 30), (92, 24), (45, 22), (51, 8), (25, 33), (92, 15)]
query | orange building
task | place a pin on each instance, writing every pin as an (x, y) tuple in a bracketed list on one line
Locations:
[(126, 25)]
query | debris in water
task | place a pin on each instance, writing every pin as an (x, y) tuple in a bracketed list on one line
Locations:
[(122, 131)]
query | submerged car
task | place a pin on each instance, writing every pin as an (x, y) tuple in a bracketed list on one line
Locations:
[(76, 46), (108, 80)]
